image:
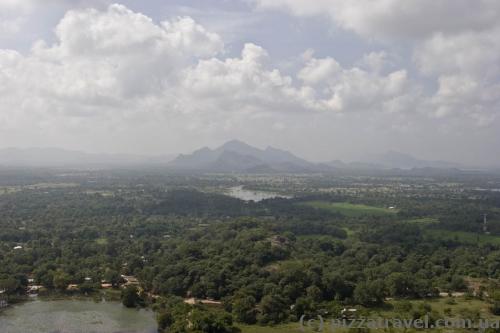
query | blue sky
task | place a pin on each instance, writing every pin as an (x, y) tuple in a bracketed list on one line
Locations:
[(327, 79)]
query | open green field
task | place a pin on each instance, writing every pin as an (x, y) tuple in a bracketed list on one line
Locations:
[(351, 210), (286, 328), (463, 236), (443, 307), (101, 241), (451, 307), (423, 220)]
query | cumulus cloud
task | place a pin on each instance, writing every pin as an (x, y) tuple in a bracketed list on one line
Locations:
[(392, 18), (357, 89), (118, 59), (114, 72), (467, 68), (13, 14), (455, 42), (105, 58), (244, 84)]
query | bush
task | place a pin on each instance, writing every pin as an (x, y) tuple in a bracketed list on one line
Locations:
[(130, 297), (495, 308)]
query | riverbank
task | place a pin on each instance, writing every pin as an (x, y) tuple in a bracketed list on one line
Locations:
[(109, 295)]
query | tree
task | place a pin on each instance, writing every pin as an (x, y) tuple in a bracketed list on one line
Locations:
[(369, 293), (165, 319), (458, 283), (130, 297), (210, 322), (10, 285), (314, 293), (244, 309), (112, 276), (304, 306), (495, 308), (273, 309), (61, 280)]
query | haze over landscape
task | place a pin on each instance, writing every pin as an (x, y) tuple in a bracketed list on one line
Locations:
[(249, 166), (326, 80), (232, 156)]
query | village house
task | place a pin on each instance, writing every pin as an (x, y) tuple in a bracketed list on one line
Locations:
[(129, 280)]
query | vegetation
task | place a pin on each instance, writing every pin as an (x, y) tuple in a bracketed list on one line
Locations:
[(351, 210), (253, 263)]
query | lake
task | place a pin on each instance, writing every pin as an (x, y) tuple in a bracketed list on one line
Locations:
[(248, 195), (75, 316)]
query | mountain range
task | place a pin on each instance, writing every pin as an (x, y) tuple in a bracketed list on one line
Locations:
[(394, 160), (233, 156), (237, 156)]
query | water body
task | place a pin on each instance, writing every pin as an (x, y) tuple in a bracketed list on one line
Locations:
[(75, 316), (248, 195)]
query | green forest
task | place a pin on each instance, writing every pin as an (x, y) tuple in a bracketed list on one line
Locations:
[(393, 243)]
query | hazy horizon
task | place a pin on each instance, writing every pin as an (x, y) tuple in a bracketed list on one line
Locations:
[(168, 157), (325, 80)]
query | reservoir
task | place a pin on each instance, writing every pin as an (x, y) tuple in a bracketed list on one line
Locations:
[(75, 316), (248, 195)]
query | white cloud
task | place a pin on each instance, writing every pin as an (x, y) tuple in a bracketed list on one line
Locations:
[(13, 15), (247, 84), (104, 59), (476, 53), (244, 83), (317, 71), (118, 64), (454, 42), (467, 68), (116, 73), (356, 89), (392, 18)]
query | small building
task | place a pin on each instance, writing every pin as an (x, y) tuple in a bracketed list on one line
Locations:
[(18, 247), (130, 280), (106, 285), (193, 301), (348, 313), (34, 289), (72, 287)]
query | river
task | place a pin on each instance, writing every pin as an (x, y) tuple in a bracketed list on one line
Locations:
[(75, 316)]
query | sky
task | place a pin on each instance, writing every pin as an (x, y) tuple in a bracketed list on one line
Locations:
[(326, 79)]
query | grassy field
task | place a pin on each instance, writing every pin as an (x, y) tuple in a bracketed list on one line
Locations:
[(351, 210), (423, 220), (101, 241), (444, 307), (286, 328), (463, 236)]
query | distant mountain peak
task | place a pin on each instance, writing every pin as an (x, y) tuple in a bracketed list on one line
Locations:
[(237, 146), (396, 159), (235, 143), (242, 158), (271, 148)]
